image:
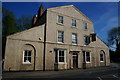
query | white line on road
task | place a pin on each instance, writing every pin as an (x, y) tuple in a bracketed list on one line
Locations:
[(99, 78), (115, 76)]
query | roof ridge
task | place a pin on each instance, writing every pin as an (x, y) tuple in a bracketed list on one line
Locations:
[(59, 7)]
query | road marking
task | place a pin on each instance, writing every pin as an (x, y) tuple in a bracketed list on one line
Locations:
[(115, 76), (99, 78)]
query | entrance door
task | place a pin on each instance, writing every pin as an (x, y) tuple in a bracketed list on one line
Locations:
[(75, 60)]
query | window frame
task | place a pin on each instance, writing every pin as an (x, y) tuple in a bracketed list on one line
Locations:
[(84, 52), (57, 60), (59, 22), (27, 57), (73, 23), (103, 56), (85, 27), (61, 37), (76, 41), (88, 40), (61, 56)]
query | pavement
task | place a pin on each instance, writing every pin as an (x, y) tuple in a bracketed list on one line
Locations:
[(100, 73)]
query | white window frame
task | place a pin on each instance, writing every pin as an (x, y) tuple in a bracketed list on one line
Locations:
[(86, 56), (72, 23), (58, 57), (102, 57), (74, 39), (24, 56), (58, 36), (58, 19)]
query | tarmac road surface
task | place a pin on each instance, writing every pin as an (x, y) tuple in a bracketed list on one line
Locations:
[(105, 73)]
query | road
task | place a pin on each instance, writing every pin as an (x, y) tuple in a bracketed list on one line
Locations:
[(92, 74), (101, 75)]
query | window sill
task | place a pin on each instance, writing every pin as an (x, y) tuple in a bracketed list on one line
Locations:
[(74, 27), (61, 63), (74, 44), (60, 42), (26, 63), (86, 45), (101, 61), (87, 62), (60, 24)]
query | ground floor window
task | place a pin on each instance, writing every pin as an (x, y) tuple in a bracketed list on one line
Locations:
[(27, 56), (101, 56), (86, 56), (60, 56)]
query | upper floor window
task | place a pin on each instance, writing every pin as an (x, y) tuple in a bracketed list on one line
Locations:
[(74, 38), (60, 19), (84, 25), (60, 36), (73, 23), (93, 37), (86, 56), (27, 56), (86, 40)]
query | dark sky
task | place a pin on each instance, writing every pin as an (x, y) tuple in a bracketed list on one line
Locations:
[(103, 14)]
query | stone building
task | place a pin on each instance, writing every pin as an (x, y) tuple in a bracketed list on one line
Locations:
[(60, 38)]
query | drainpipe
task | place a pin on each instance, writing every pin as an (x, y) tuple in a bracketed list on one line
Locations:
[(44, 48), (34, 57)]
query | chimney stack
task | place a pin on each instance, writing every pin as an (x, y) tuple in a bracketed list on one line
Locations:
[(40, 11), (34, 19)]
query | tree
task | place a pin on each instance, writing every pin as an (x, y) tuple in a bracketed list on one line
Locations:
[(24, 22), (12, 25), (9, 22), (114, 39), (9, 26)]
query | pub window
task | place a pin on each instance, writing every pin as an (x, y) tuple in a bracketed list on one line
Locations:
[(101, 56), (86, 56), (27, 56), (60, 56)]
